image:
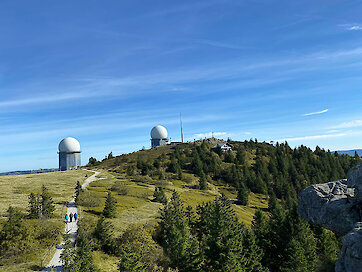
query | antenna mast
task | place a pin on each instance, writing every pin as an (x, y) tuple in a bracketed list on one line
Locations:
[(182, 134)]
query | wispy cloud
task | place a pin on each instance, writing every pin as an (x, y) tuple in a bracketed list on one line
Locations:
[(314, 137), (352, 27), (316, 112), (219, 44), (349, 124), (46, 98), (210, 134)]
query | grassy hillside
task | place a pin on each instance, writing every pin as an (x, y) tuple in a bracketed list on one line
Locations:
[(139, 189), (258, 170), (44, 235), (263, 170), (15, 190)]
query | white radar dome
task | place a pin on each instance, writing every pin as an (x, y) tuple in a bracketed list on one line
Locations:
[(159, 132), (69, 144)]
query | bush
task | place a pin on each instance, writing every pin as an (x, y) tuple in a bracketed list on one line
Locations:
[(87, 199), (120, 188), (143, 179)]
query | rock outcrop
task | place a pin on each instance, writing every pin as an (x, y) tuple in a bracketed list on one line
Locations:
[(337, 206), (354, 180), (331, 205), (350, 256)]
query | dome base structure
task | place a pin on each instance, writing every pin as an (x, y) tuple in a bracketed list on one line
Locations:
[(159, 142), (69, 154), (69, 160)]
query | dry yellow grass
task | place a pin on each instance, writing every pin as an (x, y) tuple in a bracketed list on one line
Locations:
[(14, 190)]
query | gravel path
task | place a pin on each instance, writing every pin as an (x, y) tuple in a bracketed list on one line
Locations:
[(70, 228)]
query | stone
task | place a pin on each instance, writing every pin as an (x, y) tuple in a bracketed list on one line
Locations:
[(354, 180), (331, 205), (350, 256), (337, 206)]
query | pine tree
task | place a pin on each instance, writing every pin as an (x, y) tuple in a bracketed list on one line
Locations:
[(34, 206), (203, 181), (83, 260), (159, 195), (178, 242), (104, 233), (242, 194), (47, 204), (109, 210), (131, 260), (67, 255), (130, 170), (179, 172), (197, 165), (14, 233), (222, 235), (252, 253), (78, 190)]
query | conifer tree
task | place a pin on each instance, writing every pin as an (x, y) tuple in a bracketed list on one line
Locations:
[(178, 242), (159, 195), (109, 210), (14, 233), (197, 165), (34, 206), (83, 260), (78, 190), (130, 170), (67, 255), (47, 204), (203, 181), (130, 260), (179, 172), (252, 253), (104, 233), (240, 156), (243, 194)]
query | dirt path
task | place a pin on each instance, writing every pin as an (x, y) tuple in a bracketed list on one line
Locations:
[(70, 228)]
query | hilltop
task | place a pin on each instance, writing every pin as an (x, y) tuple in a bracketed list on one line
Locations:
[(259, 170), (256, 184)]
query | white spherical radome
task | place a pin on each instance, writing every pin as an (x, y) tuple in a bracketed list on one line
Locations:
[(68, 145), (159, 132)]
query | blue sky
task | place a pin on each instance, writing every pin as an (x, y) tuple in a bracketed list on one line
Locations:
[(106, 72)]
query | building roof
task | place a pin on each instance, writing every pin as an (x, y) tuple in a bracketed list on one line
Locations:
[(222, 144)]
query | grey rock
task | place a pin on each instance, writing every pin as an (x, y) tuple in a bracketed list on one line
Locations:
[(354, 180), (331, 205), (350, 256), (337, 206)]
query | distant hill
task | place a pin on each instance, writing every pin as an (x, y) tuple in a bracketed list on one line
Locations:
[(27, 172), (350, 152)]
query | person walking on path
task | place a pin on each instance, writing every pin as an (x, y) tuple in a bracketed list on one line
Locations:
[(66, 217), (71, 217), (75, 217)]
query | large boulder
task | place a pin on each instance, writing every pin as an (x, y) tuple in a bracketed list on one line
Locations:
[(354, 180), (337, 206), (350, 256), (331, 205)]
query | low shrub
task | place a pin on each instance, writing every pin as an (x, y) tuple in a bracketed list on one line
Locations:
[(87, 199)]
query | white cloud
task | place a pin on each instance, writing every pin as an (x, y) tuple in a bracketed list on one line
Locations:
[(314, 137), (333, 131), (350, 124), (210, 134), (314, 113), (354, 27)]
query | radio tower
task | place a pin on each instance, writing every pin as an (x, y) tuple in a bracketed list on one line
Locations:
[(182, 134)]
